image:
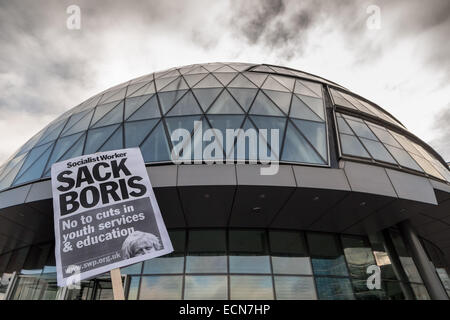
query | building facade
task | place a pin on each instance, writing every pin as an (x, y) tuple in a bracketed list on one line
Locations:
[(355, 197)]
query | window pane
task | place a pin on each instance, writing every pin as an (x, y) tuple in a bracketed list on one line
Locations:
[(296, 149), (362, 292), (289, 253), (420, 291), (161, 288), (381, 257), (248, 252), (352, 147), (403, 158), (206, 256), (206, 288), (132, 269), (361, 129), (172, 263), (358, 255), (295, 288), (378, 151), (405, 258), (133, 288), (326, 255), (251, 288), (393, 290), (334, 289)]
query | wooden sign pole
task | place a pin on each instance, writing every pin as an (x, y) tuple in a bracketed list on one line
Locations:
[(116, 280)]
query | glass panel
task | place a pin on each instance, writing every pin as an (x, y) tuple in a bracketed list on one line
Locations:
[(377, 151), (186, 106), (155, 147), (263, 106), (133, 289), (315, 104), (96, 137), (326, 255), (295, 288), (272, 84), (281, 99), (224, 78), (162, 82), (287, 82), (426, 166), (381, 257), (192, 79), (296, 149), (145, 90), (225, 104), (206, 96), (334, 288), (248, 252), (135, 132), (315, 133), (244, 97), (52, 132), (114, 116), (251, 288), (362, 292), (206, 288), (393, 290), (81, 125), (271, 123), (300, 110), (9, 175), (62, 145), (114, 142), (361, 129), (343, 126), (358, 254), (256, 78), (352, 147), (206, 256), (172, 263), (405, 258), (36, 170), (149, 110), (101, 110), (132, 269), (384, 136), (33, 155), (241, 82), (420, 291), (168, 99), (161, 288), (403, 158), (289, 253), (178, 84), (209, 82)]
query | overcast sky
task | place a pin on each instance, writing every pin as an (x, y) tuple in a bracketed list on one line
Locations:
[(45, 68)]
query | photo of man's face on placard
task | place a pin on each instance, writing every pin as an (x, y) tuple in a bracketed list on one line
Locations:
[(139, 243)]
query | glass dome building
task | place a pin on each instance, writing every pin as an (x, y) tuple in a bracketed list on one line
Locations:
[(354, 189)]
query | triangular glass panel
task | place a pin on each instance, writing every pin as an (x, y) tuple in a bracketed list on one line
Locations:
[(136, 131), (101, 110), (161, 83), (241, 66), (35, 171), (145, 90), (186, 122), (343, 126), (206, 96), (156, 148), (169, 74), (224, 78), (81, 125), (256, 78), (186, 106), (300, 110), (62, 145), (315, 87), (8, 166), (296, 149), (96, 137), (178, 84), (114, 142), (197, 70), (209, 82), (271, 123), (223, 123), (33, 156), (169, 98), (198, 144), (29, 144), (226, 69), (249, 148), (263, 68), (149, 110), (351, 146), (272, 84), (113, 96), (186, 69), (263, 106), (134, 103), (281, 99), (52, 132), (114, 116), (193, 79), (75, 151), (241, 82), (225, 104), (300, 88), (315, 133), (212, 66), (286, 81), (74, 119), (132, 88), (8, 175), (244, 97)]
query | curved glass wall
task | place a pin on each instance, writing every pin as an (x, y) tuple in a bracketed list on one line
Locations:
[(234, 264), (363, 139), (145, 112)]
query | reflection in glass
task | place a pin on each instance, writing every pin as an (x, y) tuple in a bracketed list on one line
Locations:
[(358, 255), (206, 256), (334, 288), (206, 288), (161, 288), (251, 288), (295, 288), (326, 255), (133, 288), (248, 251)]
